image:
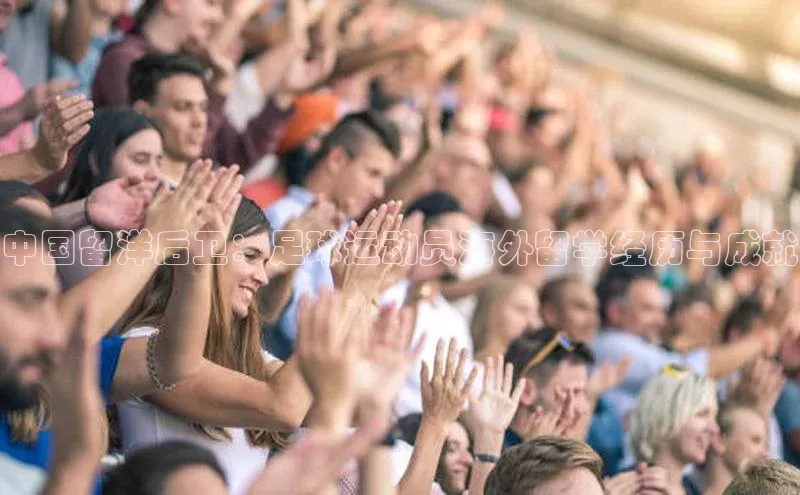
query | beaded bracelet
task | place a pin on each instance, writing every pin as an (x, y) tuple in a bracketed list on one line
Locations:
[(151, 365)]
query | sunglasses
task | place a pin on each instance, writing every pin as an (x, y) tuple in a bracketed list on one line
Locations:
[(559, 340), (676, 371)]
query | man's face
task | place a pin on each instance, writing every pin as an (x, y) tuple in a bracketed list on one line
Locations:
[(576, 314), (6, 12), (570, 378), (442, 247), (362, 181), (198, 17), (464, 172), (181, 110), (30, 329), (746, 441), (579, 481), (643, 310)]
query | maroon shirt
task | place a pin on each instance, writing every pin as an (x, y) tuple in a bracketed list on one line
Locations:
[(224, 143)]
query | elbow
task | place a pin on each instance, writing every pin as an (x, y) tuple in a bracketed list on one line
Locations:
[(178, 370)]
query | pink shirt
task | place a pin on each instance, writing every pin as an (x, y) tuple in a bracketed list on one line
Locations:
[(12, 92)]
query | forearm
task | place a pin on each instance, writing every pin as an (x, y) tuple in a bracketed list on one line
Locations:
[(75, 32), (10, 117), (421, 471), (271, 66), (375, 472), (71, 476), (71, 216), (464, 288), (725, 359), (236, 400), (350, 62), (23, 166), (489, 443), (182, 338), (125, 276)]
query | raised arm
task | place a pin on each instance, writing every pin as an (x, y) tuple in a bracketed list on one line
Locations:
[(175, 352), (65, 122), (488, 417), (70, 29), (444, 394)]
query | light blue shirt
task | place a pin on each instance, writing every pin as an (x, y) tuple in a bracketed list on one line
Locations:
[(312, 277), (83, 72), (647, 360)]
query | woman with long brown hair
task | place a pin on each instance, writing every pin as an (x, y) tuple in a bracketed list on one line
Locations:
[(507, 305), (233, 341)]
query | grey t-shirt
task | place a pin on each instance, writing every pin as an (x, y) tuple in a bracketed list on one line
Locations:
[(26, 43)]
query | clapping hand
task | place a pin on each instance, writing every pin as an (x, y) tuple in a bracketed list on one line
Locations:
[(329, 345), (181, 211), (64, 123), (217, 216), (361, 262), (119, 204), (445, 392), (760, 385), (386, 361)]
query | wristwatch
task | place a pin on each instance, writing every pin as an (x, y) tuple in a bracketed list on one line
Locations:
[(487, 458)]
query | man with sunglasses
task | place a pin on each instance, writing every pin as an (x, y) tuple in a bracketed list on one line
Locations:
[(556, 372)]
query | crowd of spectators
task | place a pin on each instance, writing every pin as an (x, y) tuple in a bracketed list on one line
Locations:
[(334, 246)]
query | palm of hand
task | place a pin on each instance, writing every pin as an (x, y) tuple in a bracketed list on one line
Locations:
[(115, 207)]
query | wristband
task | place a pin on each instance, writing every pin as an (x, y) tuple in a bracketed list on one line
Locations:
[(487, 458)]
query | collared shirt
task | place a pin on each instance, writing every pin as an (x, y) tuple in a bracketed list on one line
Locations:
[(12, 92), (312, 277), (647, 360)]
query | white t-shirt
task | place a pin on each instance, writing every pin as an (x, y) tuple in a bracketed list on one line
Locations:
[(144, 424), (17, 478), (437, 320)]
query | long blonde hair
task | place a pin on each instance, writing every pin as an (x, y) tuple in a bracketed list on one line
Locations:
[(490, 297)]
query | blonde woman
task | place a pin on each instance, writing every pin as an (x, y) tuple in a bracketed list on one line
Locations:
[(673, 423), (507, 306)]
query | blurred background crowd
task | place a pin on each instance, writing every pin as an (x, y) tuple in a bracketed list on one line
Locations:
[(433, 247)]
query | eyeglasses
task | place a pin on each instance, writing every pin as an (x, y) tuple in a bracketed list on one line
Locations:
[(558, 340), (676, 371)]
